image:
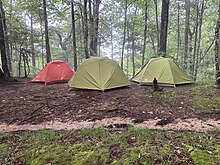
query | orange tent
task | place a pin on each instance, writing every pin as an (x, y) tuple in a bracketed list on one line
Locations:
[(55, 71)]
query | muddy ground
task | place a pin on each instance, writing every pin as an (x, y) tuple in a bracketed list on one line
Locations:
[(26, 105)]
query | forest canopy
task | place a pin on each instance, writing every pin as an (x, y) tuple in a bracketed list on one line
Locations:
[(128, 31)]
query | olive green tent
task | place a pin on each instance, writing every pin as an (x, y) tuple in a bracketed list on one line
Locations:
[(164, 70), (99, 74)]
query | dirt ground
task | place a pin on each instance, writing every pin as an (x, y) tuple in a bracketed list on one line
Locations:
[(30, 106)]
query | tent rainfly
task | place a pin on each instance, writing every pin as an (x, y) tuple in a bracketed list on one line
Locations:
[(164, 70), (55, 71), (99, 74)]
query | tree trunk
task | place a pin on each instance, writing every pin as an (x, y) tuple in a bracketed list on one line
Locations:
[(74, 36), (217, 49), (9, 37), (145, 32), (85, 30), (186, 36), (46, 32), (2, 75), (178, 30), (195, 43), (124, 34), (199, 40), (157, 25), (91, 28), (133, 44), (128, 49), (32, 44), (7, 47), (96, 26), (42, 38), (133, 51), (164, 27), (112, 45), (5, 68), (24, 62)]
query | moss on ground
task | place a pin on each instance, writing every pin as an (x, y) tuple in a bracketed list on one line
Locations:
[(100, 146)]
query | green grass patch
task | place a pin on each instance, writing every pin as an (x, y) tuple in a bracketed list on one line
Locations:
[(206, 98), (100, 146), (169, 95)]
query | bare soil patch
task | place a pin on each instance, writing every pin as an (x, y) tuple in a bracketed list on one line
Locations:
[(26, 105)]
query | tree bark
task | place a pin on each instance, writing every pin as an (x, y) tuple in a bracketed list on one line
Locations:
[(186, 33), (91, 28), (124, 34), (32, 44), (164, 27), (112, 45), (42, 37), (5, 69), (157, 25), (96, 26), (217, 49), (178, 30), (145, 32), (74, 36), (199, 40), (192, 70), (46, 32), (86, 30), (133, 45), (7, 47)]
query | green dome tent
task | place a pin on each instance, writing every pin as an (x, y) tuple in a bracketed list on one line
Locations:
[(99, 74), (164, 70)]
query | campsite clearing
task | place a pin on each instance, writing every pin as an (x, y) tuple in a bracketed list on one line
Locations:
[(26, 103)]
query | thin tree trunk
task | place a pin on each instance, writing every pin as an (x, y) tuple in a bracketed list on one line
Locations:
[(145, 32), (5, 68), (164, 27), (42, 36), (190, 49), (199, 40), (217, 49), (86, 30), (46, 32), (82, 26), (96, 26), (133, 44), (186, 33), (112, 46), (178, 30), (80, 35), (19, 64), (157, 25), (10, 31), (74, 36), (42, 46), (91, 28), (24, 61), (128, 48), (133, 51), (32, 44), (124, 34), (195, 43)]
